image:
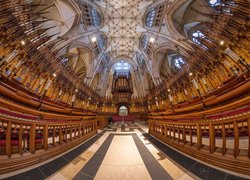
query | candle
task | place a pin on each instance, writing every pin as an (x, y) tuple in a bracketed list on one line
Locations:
[(47, 84), (228, 64), (157, 104), (18, 64), (11, 56), (73, 98), (185, 91), (195, 84), (41, 81), (170, 98), (60, 92), (204, 80)]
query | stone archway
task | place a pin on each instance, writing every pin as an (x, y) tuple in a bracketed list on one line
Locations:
[(123, 111)]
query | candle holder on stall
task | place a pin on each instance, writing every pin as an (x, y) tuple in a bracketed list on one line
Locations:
[(172, 107), (59, 95), (73, 100), (171, 103), (204, 106), (42, 98), (44, 94)]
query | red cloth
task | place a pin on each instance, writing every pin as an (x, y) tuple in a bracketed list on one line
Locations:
[(18, 115), (119, 118)]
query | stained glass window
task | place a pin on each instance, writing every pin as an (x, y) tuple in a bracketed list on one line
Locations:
[(145, 41), (150, 17), (96, 18), (154, 16), (122, 66), (179, 61), (196, 35), (213, 2), (101, 42)]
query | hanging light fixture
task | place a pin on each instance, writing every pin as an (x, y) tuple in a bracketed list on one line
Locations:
[(23, 42), (222, 43), (93, 39), (152, 39)]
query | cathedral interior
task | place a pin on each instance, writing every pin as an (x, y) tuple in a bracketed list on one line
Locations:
[(125, 89)]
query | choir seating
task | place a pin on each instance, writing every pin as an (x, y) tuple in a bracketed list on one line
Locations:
[(28, 139)]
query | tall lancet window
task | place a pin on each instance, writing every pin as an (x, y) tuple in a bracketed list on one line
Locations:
[(96, 18), (150, 17)]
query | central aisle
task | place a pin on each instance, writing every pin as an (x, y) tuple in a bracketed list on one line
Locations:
[(121, 153), (122, 161)]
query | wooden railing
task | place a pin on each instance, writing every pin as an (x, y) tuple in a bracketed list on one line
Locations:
[(223, 142), (24, 142)]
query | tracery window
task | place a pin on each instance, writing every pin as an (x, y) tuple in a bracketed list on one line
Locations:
[(196, 36), (222, 6), (154, 16), (65, 60), (122, 66), (213, 2), (145, 42), (179, 62), (146, 45), (91, 16), (140, 59), (150, 18), (96, 18), (99, 44)]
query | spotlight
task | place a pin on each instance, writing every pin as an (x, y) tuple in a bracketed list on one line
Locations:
[(222, 43), (76, 90), (190, 74), (93, 39), (151, 39), (169, 90), (23, 42), (54, 74)]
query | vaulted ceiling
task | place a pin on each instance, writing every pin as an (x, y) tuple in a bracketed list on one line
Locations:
[(148, 34), (122, 19)]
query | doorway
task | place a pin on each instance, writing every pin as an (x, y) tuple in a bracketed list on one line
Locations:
[(123, 111)]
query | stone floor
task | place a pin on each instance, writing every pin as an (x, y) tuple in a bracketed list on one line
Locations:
[(124, 151)]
